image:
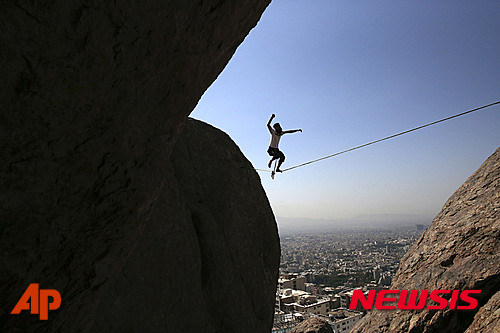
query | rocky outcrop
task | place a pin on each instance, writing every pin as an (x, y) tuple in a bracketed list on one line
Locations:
[(95, 202), (215, 265), (459, 251), (488, 317), (313, 325)]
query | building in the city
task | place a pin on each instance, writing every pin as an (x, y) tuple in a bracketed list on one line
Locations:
[(345, 300), (312, 305), (292, 281), (342, 320), (285, 322)]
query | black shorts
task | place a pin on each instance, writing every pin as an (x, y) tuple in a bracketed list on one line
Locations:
[(276, 153)]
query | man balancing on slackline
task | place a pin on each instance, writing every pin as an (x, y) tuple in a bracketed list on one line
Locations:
[(273, 150)]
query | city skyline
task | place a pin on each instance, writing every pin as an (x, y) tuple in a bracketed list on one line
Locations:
[(365, 222)]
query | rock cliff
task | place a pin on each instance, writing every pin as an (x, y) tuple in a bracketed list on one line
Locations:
[(313, 325), (460, 250), (137, 229)]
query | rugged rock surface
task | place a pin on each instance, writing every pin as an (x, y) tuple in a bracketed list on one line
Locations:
[(460, 250), (313, 325), (93, 96), (218, 257), (488, 317)]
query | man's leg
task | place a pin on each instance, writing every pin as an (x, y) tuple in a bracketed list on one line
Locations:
[(271, 160), (273, 153), (281, 156)]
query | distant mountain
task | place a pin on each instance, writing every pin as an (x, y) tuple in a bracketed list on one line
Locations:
[(391, 219), (289, 225)]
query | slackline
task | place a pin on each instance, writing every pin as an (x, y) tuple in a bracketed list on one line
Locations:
[(388, 137)]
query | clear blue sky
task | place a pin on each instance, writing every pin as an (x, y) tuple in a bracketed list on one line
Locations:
[(349, 72)]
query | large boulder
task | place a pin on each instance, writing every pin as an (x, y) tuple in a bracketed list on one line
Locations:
[(459, 251), (93, 97), (313, 325), (209, 258)]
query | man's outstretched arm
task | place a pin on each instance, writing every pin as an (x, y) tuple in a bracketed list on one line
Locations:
[(292, 131), (269, 123)]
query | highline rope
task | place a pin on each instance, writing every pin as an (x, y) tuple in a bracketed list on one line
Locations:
[(389, 137)]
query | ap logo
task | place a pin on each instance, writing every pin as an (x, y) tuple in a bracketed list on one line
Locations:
[(37, 300)]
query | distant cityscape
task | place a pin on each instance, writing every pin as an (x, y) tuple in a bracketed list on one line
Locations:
[(319, 271)]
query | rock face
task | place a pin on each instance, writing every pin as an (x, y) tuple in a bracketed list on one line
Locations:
[(313, 325), (488, 317), (459, 251), (218, 258), (137, 230)]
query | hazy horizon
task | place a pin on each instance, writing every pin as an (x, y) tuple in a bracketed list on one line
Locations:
[(287, 225)]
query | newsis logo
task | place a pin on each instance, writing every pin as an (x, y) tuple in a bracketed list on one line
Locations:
[(37, 300), (411, 300)]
